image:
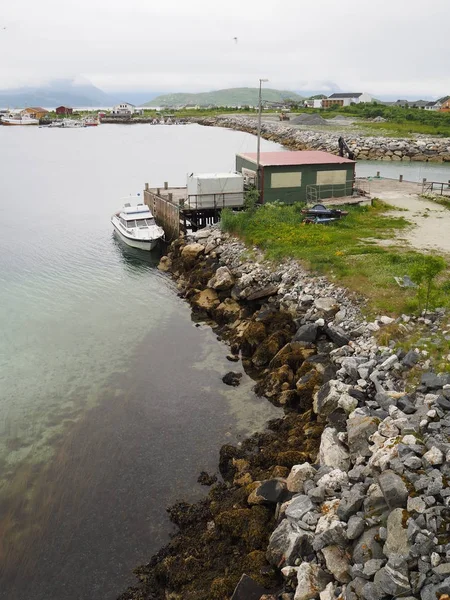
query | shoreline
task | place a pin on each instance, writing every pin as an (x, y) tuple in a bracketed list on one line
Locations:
[(327, 497), (421, 149)]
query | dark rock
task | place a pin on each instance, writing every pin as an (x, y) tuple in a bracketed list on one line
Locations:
[(232, 378), (443, 402), (248, 589), (269, 290), (431, 381), (271, 491), (411, 359), (405, 405), (306, 333), (299, 506), (355, 527), (336, 335), (359, 430), (393, 488), (371, 591), (205, 479), (287, 544), (350, 503), (232, 357), (435, 591), (393, 579), (367, 547)]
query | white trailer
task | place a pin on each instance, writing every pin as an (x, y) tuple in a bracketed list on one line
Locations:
[(215, 190)]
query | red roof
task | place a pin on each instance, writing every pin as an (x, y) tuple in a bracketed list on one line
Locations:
[(300, 157)]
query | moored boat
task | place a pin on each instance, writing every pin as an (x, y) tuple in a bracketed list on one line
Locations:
[(15, 119), (136, 226)]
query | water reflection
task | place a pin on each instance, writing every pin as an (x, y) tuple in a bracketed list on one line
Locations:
[(135, 259)]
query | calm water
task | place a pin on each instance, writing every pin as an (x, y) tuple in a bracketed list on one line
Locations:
[(411, 171), (111, 400)]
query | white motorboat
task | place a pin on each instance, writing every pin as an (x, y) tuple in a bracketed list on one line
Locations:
[(135, 225), (17, 119)]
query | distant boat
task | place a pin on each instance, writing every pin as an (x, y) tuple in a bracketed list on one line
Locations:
[(135, 225), (91, 121), (12, 119)]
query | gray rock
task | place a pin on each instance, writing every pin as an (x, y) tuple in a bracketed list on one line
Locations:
[(393, 579), (431, 381), (413, 462), (223, 279), (306, 333), (393, 488), (371, 591), (405, 405), (311, 580), (355, 527), (367, 547), (326, 400), (298, 476), (350, 503), (287, 543), (332, 452), (337, 563), (350, 366), (372, 566), (334, 536), (434, 591), (397, 541), (326, 305), (271, 491), (442, 570), (359, 429), (336, 335), (410, 359), (298, 506), (416, 505)]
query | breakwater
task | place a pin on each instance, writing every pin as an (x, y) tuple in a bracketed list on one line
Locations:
[(421, 149), (345, 497)]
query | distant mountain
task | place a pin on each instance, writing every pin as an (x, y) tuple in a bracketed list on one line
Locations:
[(227, 97), (62, 91)]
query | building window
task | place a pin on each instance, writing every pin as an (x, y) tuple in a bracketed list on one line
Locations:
[(330, 177), (286, 180)]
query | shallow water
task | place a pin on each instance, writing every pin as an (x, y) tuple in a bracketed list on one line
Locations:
[(411, 171), (111, 400)]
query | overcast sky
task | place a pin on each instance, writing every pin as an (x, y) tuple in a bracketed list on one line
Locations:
[(384, 47)]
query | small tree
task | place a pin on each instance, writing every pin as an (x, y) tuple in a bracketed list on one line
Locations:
[(424, 274), (251, 199)]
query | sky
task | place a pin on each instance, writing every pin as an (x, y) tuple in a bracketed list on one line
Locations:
[(384, 47)]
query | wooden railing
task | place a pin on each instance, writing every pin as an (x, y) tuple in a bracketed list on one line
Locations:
[(435, 187), (166, 213)]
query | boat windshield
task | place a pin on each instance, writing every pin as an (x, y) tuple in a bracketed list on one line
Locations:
[(145, 222)]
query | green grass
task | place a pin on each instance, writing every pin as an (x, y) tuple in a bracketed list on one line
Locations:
[(442, 200), (347, 251)]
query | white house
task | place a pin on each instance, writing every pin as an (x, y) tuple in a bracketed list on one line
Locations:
[(346, 98), (124, 108), (433, 106)]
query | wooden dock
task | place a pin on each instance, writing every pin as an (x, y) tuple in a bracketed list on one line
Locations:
[(175, 212)]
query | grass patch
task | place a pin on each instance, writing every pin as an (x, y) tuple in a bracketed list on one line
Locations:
[(339, 249), (442, 200)]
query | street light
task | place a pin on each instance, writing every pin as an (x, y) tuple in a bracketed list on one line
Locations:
[(258, 146)]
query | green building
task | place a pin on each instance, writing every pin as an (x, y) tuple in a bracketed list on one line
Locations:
[(303, 176)]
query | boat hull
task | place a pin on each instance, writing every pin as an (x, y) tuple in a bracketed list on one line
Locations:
[(134, 243), (18, 122)]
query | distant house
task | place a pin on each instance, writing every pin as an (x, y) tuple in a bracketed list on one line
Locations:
[(445, 107), (64, 110), (345, 99), (34, 112), (124, 109), (433, 106)]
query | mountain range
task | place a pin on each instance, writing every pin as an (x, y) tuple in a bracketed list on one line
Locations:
[(227, 97), (67, 92)]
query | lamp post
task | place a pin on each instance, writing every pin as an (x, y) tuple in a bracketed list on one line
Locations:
[(258, 143)]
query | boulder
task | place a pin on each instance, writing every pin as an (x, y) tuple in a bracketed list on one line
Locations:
[(359, 430), (165, 264), (232, 378), (393, 579), (397, 541), (248, 589), (393, 488), (306, 333), (337, 563), (311, 580), (298, 506), (336, 335), (190, 252), (293, 354), (268, 492), (327, 306), (252, 294), (228, 310), (298, 475), (288, 543), (206, 299), (367, 547), (326, 399), (332, 452), (223, 279)]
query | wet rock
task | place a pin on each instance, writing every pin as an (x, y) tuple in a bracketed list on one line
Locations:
[(190, 252), (268, 349), (205, 479), (393, 488), (232, 378), (248, 589), (165, 264), (206, 299), (326, 400), (228, 310), (271, 491), (293, 354)]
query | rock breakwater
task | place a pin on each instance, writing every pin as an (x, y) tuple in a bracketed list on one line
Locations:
[(421, 149), (348, 495)]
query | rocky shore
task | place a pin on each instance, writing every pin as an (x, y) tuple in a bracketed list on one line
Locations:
[(348, 495), (422, 149)]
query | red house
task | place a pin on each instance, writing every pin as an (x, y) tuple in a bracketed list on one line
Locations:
[(64, 110)]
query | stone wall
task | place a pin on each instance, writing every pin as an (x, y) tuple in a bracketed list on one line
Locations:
[(422, 149)]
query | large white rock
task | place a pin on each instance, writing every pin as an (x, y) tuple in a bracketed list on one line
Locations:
[(298, 475), (332, 452), (311, 580)]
